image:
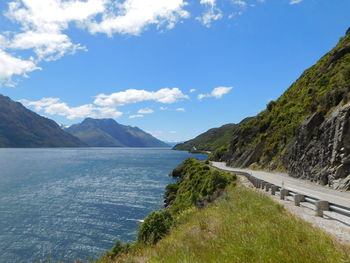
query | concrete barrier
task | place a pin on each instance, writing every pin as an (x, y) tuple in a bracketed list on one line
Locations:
[(298, 198), (321, 206), (273, 189), (284, 193)]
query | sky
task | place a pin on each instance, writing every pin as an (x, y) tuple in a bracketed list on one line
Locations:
[(174, 68)]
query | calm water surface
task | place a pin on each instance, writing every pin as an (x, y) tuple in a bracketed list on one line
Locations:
[(74, 203)]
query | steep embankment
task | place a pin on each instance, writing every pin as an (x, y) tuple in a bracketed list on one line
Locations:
[(306, 131), (20, 127), (240, 226)]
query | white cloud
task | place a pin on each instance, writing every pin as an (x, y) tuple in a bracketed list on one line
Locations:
[(181, 109), (145, 111), (192, 90), (293, 2), (163, 108), (240, 3), (129, 96), (211, 14), (46, 45), (43, 25), (216, 93), (136, 116), (172, 132), (54, 106), (133, 16), (104, 106), (10, 65)]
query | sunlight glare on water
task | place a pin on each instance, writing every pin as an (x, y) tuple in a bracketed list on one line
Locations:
[(74, 203)]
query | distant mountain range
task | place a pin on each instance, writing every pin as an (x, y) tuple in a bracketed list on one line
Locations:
[(109, 133), (22, 128)]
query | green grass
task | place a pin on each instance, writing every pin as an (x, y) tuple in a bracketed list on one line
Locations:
[(320, 88), (209, 140), (242, 226)]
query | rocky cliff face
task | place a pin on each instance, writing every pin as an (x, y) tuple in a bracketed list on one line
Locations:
[(307, 130), (321, 150)]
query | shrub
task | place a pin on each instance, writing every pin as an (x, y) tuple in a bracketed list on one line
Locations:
[(156, 225), (117, 249)]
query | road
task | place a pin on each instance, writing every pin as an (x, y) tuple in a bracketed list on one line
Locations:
[(294, 184)]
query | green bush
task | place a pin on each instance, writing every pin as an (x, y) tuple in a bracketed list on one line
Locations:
[(197, 182), (219, 154), (118, 249), (156, 225)]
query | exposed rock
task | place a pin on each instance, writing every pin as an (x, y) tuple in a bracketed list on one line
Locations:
[(348, 31), (339, 54), (248, 157), (321, 150)]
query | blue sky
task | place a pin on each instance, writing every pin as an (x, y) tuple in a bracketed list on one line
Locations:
[(174, 68)]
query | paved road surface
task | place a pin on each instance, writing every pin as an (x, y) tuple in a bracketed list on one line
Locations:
[(294, 184)]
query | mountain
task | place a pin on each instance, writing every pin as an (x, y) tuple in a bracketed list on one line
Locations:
[(172, 144), (22, 128), (306, 131), (109, 133), (209, 140)]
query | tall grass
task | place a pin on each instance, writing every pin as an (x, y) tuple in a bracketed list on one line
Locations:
[(242, 227)]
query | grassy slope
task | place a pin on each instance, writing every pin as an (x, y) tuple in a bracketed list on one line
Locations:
[(242, 226), (209, 140), (319, 89)]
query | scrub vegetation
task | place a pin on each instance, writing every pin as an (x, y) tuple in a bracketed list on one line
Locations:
[(211, 218)]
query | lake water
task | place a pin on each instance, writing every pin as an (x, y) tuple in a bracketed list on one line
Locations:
[(66, 204)]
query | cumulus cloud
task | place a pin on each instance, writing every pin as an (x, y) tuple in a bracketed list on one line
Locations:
[(217, 93), (54, 106), (133, 16), (105, 106), (43, 22), (145, 111), (181, 109), (47, 46), (192, 90), (129, 96), (43, 25), (10, 65)]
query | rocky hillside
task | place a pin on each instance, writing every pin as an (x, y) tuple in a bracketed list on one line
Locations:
[(109, 133), (22, 128), (306, 131)]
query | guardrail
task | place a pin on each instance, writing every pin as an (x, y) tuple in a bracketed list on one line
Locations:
[(320, 205)]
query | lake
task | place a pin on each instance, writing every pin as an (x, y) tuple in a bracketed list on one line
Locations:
[(68, 204)]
